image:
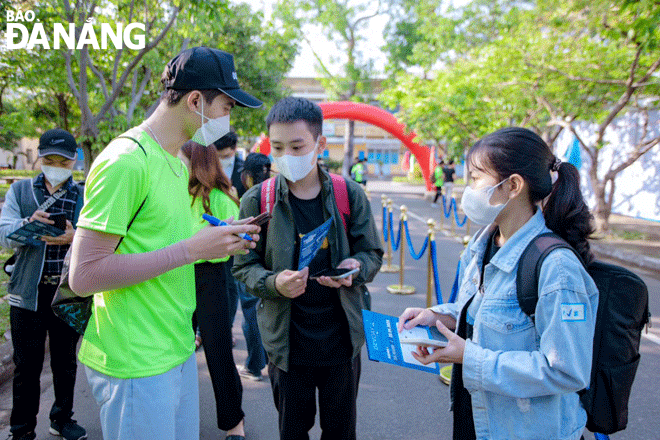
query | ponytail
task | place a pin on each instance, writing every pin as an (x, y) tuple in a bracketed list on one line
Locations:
[(565, 211), (516, 150)]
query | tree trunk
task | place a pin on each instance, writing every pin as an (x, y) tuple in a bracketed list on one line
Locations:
[(602, 210), (86, 146), (63, 109), (348, 148)]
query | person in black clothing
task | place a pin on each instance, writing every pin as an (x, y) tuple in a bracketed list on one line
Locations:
[(32, 286), (449, 172), (231, 164)]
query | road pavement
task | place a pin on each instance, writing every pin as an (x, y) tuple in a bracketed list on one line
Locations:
[(393, 402)]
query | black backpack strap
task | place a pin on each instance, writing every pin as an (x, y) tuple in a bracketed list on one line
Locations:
[(529, 269), (145, 199)]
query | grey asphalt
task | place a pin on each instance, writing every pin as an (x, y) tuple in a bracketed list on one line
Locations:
[(393, 402)]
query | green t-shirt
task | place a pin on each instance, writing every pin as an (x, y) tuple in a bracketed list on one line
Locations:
[(439, 176), (144, 329), (221, 207)]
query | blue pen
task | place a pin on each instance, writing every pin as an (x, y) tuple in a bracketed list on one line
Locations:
[(217, 222)]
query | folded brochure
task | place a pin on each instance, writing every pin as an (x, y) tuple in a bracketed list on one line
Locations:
[(311, 242), (386, 344), (30, 233)]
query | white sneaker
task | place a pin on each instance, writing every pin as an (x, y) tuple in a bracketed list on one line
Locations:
[(245, 373)]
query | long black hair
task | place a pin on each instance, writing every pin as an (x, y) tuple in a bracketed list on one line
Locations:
[(515, 150)]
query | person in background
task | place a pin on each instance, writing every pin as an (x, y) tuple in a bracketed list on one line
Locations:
[(449, 172), (231, 163), (359, 171), (210, 192), (438, 176), (33, 283), (256, 169), (516, 376)]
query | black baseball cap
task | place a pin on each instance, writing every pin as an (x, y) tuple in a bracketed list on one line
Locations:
[(58, 141), (203, 68)]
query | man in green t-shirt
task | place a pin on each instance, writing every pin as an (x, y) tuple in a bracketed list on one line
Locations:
[(358, 172), (134, 250), (438, 179)]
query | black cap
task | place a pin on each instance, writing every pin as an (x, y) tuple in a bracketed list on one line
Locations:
[(58, 141), (203, 68)]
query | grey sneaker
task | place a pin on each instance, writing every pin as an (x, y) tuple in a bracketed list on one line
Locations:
[(69, 430), (247, 374)]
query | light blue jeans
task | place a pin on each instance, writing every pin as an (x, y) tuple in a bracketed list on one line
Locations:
[(164, 407)]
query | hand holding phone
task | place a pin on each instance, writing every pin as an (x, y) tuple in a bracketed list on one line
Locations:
[(335, 274), (261, 219), (59, 218)]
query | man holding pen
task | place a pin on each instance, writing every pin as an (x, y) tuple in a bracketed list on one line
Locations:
[(134, 251)]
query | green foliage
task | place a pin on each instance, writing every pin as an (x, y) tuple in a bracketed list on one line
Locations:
[(263, 54), (117, 88), (344, 23), (492, 64)]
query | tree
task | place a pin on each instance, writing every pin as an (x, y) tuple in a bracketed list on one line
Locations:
[(545, 65), (117, 86), (343, 23)]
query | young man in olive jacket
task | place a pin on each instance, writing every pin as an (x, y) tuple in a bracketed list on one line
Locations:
[(311, 328)]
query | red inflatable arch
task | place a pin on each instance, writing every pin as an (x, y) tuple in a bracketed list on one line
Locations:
[(375, 116)]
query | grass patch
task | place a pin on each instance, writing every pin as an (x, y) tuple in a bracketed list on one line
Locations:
[(4, 307), (628, 235), (77, 174)]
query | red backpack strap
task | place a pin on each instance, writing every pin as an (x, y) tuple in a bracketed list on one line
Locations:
[(267, 195), (341, 198)]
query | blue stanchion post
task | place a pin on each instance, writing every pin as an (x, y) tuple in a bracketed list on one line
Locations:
[(401, 288), (383, 199), (433, 255), (454, 287), (432, 270), (387, 232)]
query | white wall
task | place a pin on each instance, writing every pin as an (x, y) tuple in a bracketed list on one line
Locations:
[(637, 192)]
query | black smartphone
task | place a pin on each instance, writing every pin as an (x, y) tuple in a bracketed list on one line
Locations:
[(335, 273), (59, 218), (261, 219)]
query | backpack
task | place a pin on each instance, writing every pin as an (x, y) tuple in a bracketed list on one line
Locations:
[(338, 185), (623, 311)]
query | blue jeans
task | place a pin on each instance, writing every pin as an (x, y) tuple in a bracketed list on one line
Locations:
[(164, 407), (256, 358)]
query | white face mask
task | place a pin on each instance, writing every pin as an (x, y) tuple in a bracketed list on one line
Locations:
[(55, 175), (212, 129), (476, 204), (228, 165), (295, 168)]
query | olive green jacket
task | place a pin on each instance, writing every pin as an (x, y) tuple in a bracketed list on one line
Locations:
[(276, 252)]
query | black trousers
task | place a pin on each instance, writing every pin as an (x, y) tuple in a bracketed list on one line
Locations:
[(212, 282), (294, 392), (28, 336), (438, 193)]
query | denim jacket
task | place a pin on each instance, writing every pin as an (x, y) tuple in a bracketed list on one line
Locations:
[(523, 377)]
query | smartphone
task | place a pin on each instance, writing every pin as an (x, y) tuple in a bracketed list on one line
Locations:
[(261, 219), (59, 218), (423, 336), (335, 274)]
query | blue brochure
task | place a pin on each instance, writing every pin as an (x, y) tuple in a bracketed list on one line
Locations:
[(311, 242), (383, 344)]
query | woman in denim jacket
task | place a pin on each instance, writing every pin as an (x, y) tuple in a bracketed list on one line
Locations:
[(515, 378)]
